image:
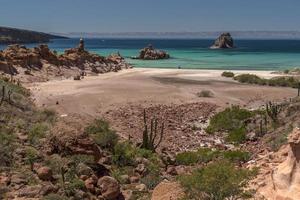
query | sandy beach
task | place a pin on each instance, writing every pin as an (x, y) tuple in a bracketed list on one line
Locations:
[(95, 95)]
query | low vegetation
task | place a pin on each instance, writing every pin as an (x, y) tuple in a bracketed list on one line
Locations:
[(228, 74), (205, 94), (102, 134), (205, 155), (282, 81), (231, 120), (217, 181)]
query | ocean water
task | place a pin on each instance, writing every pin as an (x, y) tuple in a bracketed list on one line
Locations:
[(195, 53)]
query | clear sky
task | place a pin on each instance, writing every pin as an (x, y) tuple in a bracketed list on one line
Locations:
[(150, 15)]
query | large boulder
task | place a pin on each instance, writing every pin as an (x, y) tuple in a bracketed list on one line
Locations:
[(225, 41), (167, 191), (109, 187), (149, 53), (45, 174)]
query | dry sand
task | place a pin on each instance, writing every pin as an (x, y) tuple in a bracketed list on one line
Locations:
[(95, 95)]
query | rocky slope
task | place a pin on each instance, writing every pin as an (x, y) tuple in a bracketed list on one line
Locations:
[(224, 41), (41, 64), (149, 53), (14, 36)]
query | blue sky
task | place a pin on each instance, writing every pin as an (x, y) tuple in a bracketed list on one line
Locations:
[(150, 15)]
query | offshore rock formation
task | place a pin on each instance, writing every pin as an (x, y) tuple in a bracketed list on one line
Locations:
[(149, 53), (43, 63), (225, 41)]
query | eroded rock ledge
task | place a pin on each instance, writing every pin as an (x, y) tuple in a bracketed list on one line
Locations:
[(43, 64), (150, 53)]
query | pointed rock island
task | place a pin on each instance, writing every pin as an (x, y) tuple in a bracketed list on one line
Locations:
[(150, 53), (224, 41)]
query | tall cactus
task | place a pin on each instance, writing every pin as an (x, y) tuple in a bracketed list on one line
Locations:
[(152, 137), (3, 95), (273, 111)]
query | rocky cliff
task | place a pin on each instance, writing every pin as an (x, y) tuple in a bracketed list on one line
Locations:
[(17, 36), (225, 41)]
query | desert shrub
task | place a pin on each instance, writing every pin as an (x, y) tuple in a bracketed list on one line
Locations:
[(187, 158), (228, 74), (216, 181), (73, 185), (205, 93), (37, 132), (203, 155), (250, 78), (236, 156), (124, 154), (80, 158), (229, 119), (53, 196), (237, 135), (282, 81), (152, 178), (102, 134), (7, 139), (31, 156), (46, 115)]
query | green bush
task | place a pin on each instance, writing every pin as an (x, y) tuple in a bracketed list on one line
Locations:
[(124, 154), (73, 185), (102, 134), (282, 81), (205, 93), (228, 120), (32, 156), (236, 156), (228, 74), (7, 140), (237, 135), (203, 155), (37, 132), (216, 181)]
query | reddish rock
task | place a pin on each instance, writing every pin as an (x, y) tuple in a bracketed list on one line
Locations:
[(45, 174), (110, 188)]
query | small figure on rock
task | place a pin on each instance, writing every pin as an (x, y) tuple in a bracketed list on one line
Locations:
[(81, 45)]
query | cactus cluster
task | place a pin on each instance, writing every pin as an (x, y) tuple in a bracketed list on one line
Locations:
[(273, 110), (152, 137), (3, 95)]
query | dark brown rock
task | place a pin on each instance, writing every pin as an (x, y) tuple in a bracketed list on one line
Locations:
[(225, 41), (149, 53), (110, 188)]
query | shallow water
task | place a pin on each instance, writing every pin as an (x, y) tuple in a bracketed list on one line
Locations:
[(195, 53)]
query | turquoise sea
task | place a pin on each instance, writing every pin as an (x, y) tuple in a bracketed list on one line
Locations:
[(195, 53)]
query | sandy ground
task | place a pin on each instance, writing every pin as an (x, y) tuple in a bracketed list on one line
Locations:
[(95, 95)]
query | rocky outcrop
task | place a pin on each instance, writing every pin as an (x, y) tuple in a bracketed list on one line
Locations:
[(283, 179), (149, 53), (42, 62), (225, 41)]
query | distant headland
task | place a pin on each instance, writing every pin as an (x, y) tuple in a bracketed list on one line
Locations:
[(14, 35)]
